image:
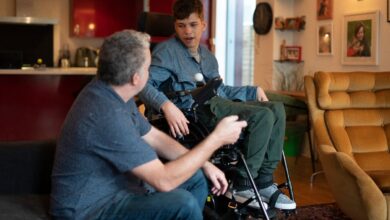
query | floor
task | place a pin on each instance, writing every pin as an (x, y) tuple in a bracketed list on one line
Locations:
[(300, 172)]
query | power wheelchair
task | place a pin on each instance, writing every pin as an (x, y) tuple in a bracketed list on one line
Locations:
[(226, 158)]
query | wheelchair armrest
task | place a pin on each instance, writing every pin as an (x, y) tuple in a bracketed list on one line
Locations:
[(203, 94)]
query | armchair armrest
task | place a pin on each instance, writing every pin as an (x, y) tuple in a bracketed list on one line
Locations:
[(355, 192)]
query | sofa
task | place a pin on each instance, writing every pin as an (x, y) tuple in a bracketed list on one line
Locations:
[(350, 116), (25, 173)]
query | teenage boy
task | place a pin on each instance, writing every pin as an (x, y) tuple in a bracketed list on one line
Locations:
[(174, 66)]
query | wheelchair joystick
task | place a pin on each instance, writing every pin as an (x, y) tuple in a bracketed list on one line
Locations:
[(199, 79)]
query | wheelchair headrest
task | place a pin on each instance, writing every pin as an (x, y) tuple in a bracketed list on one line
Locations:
[(205, 93), (156, 24)]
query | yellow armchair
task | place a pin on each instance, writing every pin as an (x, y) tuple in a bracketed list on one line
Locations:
[(350, 116)]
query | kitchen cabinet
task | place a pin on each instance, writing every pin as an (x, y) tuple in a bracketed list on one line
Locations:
[(99, 18)]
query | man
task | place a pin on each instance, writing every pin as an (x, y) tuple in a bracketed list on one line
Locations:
[(174, 66), (107, 165)]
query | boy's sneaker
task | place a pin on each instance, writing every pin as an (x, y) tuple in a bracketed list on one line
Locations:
[(275, 198), (243, 196)]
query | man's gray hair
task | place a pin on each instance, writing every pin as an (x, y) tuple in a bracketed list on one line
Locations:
[(121, 56)]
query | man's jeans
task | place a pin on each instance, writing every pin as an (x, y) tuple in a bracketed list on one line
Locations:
[(185, 202)]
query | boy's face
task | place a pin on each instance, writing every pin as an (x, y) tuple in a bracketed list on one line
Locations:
[(189, 30)]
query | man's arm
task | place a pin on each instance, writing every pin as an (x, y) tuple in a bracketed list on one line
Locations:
[(184, 163), (170, 149)]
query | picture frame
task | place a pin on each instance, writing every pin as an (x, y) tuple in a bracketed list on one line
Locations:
[(295, 23), (325, 39), (292, 24), (360, 43), (293, 53), (279, 23), (388, 10), (324, 9)]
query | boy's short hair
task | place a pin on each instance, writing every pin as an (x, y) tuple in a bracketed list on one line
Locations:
[(182, 9)]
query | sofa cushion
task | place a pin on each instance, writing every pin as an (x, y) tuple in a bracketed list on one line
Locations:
[(25, 166), (24, 207), (353, 90)]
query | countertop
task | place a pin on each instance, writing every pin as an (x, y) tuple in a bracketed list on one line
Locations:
[(50, 71)]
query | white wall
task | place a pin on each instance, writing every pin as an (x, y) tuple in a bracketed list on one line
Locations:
[(313, 62), (307, 38), (264, 56)]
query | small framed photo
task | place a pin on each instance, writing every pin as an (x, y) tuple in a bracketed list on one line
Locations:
[(324, 9), (293, 53), (360, 39), (292, 23), (325, 39), (279, 23)]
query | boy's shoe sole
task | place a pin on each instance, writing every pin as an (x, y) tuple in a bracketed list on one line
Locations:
[(241, 199)]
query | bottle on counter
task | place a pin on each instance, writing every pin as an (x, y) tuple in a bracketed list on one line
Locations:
[(64, 60), (86, 62)]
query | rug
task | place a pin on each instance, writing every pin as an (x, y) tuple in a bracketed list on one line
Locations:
[(316, 212)]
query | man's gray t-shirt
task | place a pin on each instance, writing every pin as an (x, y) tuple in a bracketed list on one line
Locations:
[(99, 142)]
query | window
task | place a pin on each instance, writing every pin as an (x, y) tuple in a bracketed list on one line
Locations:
[(235, 41)]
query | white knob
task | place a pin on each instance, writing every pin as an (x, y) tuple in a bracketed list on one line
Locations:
[(198, 77)]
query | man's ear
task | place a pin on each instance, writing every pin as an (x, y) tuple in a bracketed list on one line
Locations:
[(135, 79)]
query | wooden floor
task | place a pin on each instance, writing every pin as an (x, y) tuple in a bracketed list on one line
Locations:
[(304, 192)]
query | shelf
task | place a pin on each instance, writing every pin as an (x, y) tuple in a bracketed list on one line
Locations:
[(288, 29), (289, 61)]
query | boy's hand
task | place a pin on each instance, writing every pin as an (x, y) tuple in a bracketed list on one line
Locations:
[(261, 96), (177, 121)]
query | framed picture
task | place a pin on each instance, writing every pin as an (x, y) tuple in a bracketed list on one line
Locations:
[(279, 23), (296, 23), (388, 10), (360, 41), (325, 39), (324, 9), (293, 53), (292, 23)]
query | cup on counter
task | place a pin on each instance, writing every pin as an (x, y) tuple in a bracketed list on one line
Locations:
[(64, 63)]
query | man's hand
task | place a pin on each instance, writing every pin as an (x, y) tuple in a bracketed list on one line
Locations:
[(261, 96), (217, 178), (228, 130), (176, 120)]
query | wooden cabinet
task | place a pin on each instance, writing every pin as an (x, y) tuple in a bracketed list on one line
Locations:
[(34, 106), (100, 18)]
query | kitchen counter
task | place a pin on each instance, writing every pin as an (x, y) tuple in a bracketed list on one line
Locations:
[(34, 102), (50, 71)]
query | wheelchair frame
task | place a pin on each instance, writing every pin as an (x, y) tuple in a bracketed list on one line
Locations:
[(241, 210), (200, 96)]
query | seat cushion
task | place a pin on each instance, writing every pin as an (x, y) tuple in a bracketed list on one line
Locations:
[(25, 166), (24, 207)]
